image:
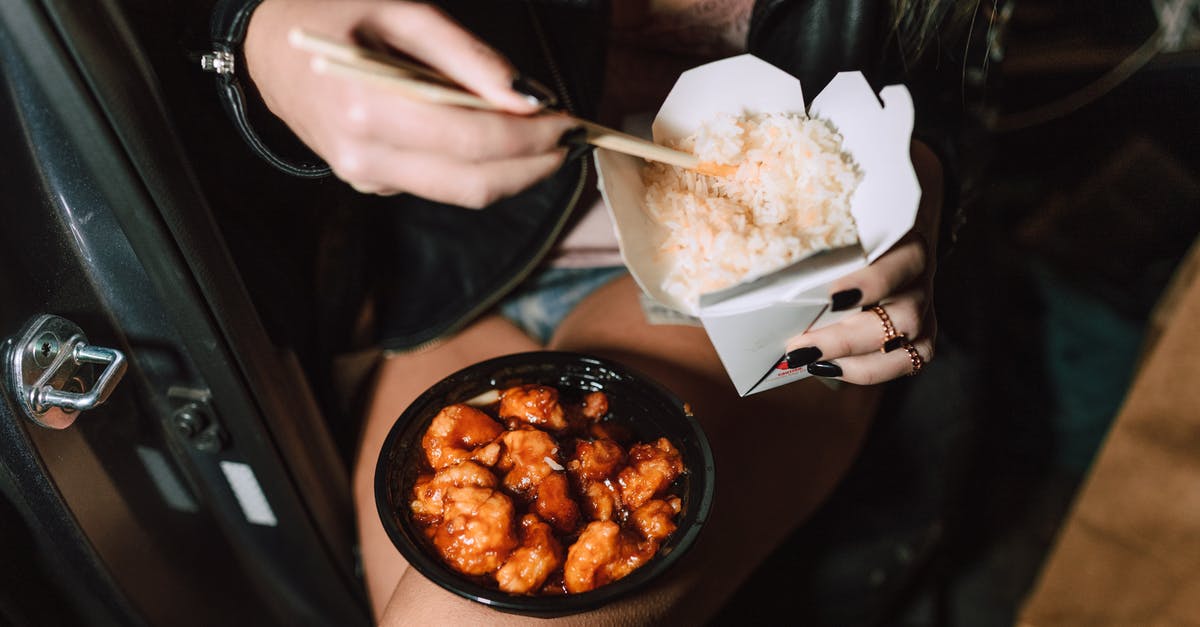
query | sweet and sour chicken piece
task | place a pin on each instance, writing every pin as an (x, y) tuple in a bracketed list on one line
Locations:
[(593, 465), (489, 453), (586, 412), (524, 459), (532, 404), (476, 534), (555, 504), (595, 460), (652, 467), (594, 406), (429, 493), (656, 519), (539, 555), (600, 500), (455, 433), (530, 461), (603, 554)]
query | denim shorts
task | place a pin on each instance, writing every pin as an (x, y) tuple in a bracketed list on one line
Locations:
[(539, 304)]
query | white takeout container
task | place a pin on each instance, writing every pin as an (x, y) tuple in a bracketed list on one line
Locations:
[(750, 324)]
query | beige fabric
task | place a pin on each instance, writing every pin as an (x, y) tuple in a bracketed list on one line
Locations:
[(1129, 552)]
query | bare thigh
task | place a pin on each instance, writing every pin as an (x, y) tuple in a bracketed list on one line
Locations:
[(778, 454)]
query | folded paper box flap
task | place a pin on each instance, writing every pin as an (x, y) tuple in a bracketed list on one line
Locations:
[(878, 137), (751, 324)]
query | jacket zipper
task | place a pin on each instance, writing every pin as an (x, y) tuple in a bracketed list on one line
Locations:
[(490, 301)]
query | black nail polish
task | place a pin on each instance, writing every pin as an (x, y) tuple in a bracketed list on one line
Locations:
[(846, 299), (894, 343), (803, 356), (825, 369), (534, 91)]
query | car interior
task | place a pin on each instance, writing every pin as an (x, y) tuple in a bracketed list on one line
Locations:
[(212, 486)]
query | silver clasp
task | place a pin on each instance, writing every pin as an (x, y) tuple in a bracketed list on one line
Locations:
[(217, 61)]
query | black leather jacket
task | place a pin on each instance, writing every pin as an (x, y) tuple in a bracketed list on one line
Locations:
[(440, 266)]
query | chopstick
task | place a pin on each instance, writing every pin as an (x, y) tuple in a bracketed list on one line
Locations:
[(423, 84)]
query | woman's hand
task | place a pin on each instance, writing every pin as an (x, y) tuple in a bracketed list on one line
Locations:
[(384, 143), (901, 283)]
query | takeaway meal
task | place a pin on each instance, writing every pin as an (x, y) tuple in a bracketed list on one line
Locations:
[(539, 491)]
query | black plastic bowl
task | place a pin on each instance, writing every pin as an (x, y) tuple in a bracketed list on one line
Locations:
[(648, 409)]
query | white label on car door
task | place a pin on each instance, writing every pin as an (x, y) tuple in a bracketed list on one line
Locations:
[(249, 493)]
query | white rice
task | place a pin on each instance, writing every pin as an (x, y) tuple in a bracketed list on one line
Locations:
[(789, 199)]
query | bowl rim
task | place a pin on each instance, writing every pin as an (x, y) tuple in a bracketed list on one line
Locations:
[(433, 569)]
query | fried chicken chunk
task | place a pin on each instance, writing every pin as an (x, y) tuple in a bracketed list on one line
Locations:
[(593, 465), (476, 534), (656, 519), (651, 469), (530, 461), (603, 554), (554, 502), (587, 412), (524, 459), (594, 406), (535, 405), (595, 460), (429, 493), (600, 500), (456, 432), (539, 555)]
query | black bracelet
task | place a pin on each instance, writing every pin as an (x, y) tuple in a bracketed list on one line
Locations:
[(229, 21)]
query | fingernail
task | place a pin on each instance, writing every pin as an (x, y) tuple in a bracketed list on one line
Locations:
[(825, 369), (894, 343), (846, 299), (536, 93), (803, 356)]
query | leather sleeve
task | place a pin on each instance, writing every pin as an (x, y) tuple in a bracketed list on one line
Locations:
[(815, 39)]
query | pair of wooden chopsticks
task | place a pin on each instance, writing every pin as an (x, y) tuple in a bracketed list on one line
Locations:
[(424, 84)]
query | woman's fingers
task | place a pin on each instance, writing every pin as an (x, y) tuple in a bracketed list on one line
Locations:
[(856, 350), (888, 274), (875, 367), (429, 35), (377, 115), (861, 332), (870, 365), (379, 141), (378, 168), (383, 142)]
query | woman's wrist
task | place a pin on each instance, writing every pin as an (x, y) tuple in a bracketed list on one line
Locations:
[(268, 56), (229, 32)]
